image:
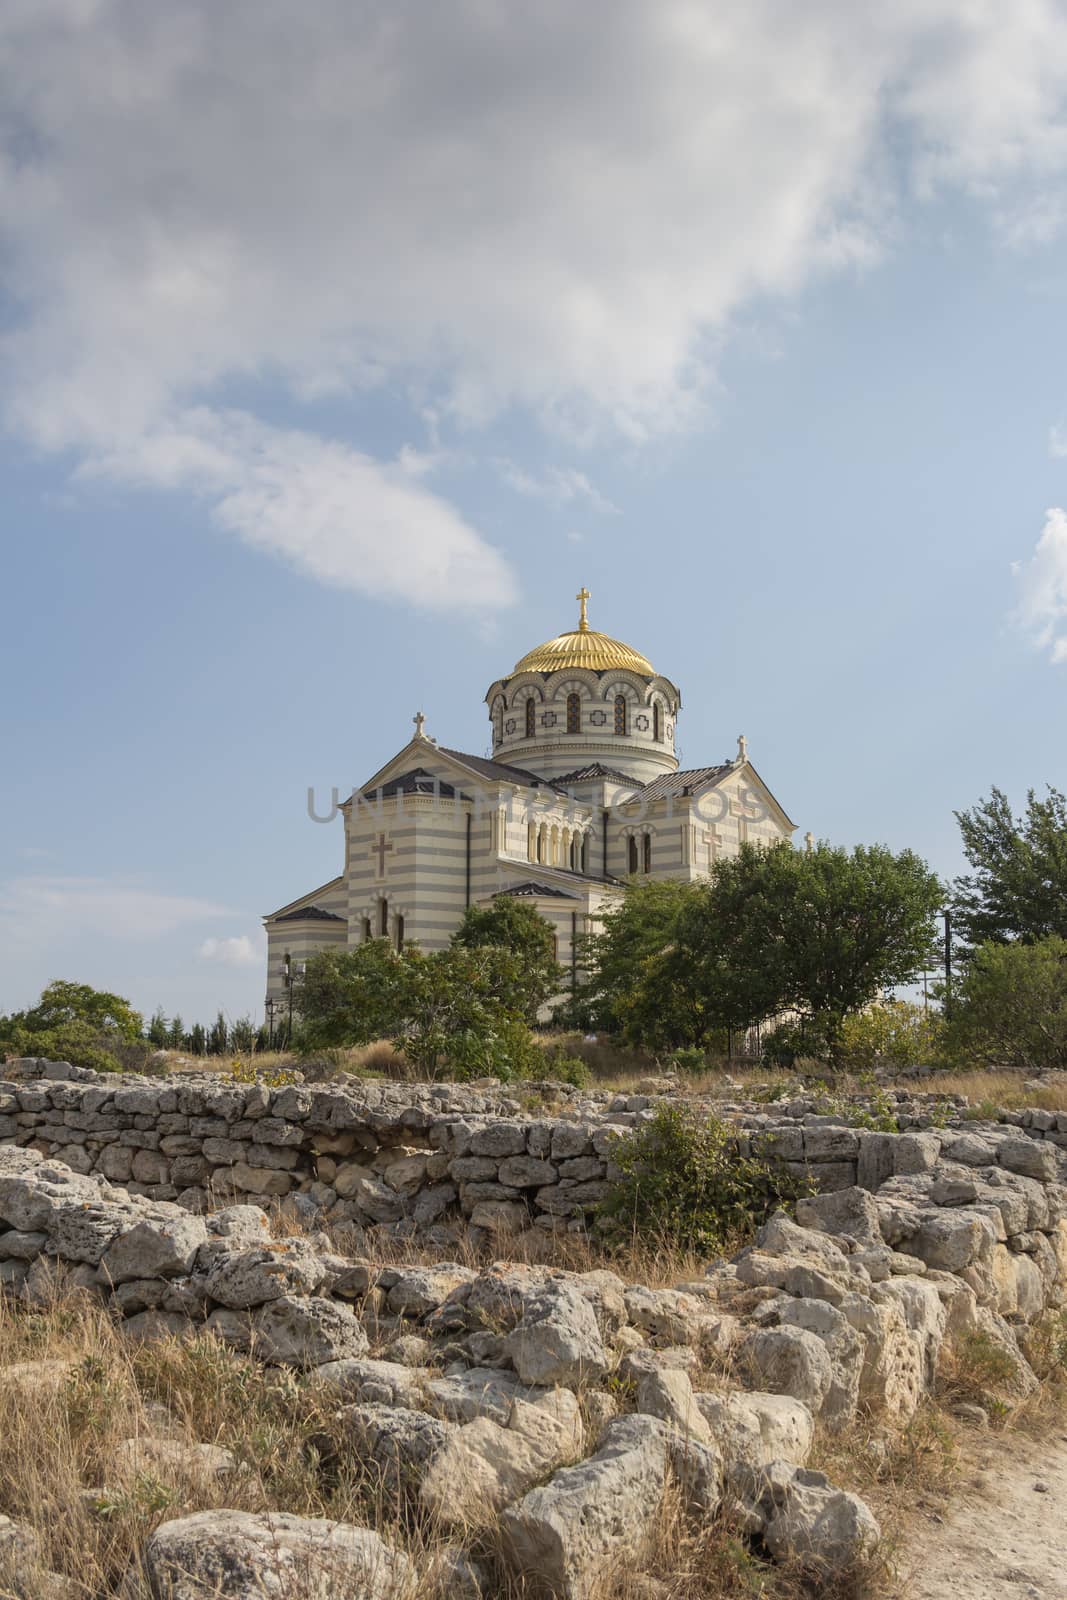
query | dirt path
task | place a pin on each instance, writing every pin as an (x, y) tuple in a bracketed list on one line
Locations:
[(1005, 1536)]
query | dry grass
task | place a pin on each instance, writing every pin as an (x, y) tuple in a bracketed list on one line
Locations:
[(1007, 1090)]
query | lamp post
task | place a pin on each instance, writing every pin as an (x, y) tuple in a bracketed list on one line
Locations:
[(271, 1007), (291, 970)]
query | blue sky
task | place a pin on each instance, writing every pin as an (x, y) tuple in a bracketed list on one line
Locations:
[(336, 355)]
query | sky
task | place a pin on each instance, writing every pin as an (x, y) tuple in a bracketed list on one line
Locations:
[(340, 345)]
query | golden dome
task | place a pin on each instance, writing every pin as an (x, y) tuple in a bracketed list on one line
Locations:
[(584, 647)]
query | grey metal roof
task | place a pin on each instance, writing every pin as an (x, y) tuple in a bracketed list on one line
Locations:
[(681, 783), (594, 770), (501, 771), (539, 891), (417, 781), (309, 914)]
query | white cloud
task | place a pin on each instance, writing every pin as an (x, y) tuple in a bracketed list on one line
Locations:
[(45, 910), (333, 513), (1042, 608), (559, 208), (560, 486), (241, 951)]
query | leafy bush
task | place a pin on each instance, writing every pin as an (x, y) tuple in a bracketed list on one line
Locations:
[(685, 1180), (689, 1060), (563, 1068), (896, 1033), (1010, 1007), (73, 1022)]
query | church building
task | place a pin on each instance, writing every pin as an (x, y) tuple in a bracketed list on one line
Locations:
[(581, 793)]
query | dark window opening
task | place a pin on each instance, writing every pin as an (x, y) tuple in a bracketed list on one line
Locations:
[(574, 713), (631, 850), (531, 713), (620, 714)]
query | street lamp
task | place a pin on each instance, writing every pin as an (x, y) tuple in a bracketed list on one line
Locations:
[(272, 1006), (291, 970)]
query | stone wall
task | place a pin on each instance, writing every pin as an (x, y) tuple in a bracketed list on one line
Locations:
[(380, 1154)]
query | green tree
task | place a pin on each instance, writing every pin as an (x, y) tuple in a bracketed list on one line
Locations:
[(517, 926), (218, 1036), (243, 1035), (156, 1032), (818, 932), (176, 1033), (350, 997), (63, 1002), (197, 1039), (455, 1007), (629, 990), (1018, 888), (73, 1022), (1010, 1007)]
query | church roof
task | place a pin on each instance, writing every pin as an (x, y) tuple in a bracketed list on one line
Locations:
[(417, 781), (584, 647), (501, 771), (537, 891), (594, 770), (684, 782), (309, 914)]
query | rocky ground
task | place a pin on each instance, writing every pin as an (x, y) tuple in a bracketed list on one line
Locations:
[(195, 1405)]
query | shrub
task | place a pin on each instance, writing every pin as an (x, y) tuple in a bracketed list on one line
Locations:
[(896, 1033), (683, 1178), (563, 1068), (1010, 1007), (690, 1060)]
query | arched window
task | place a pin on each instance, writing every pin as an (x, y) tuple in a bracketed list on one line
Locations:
[(657, 721), (620, 714), (631, 851), (367, 930), (541, 842), (647, 848), (574, 713), (500, 722), (531, 715), (399, 932), (383, 918)]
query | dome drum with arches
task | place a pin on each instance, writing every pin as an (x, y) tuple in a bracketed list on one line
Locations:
[(585, 697)]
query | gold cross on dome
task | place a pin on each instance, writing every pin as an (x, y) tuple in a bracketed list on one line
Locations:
[(584, 597)]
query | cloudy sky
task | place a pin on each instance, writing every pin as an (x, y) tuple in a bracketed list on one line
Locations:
[(340, 343)]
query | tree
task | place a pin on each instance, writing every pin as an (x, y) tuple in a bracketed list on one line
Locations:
[(218, 1036), (350, 997), (627, 990), (455, 1005), (176, 1033), (243, 1035), (156, 1032), (517, 926), (1010, 1007), (73, 1022), (197, 1039), (819, 933), (1018, 889), (63, 1002)]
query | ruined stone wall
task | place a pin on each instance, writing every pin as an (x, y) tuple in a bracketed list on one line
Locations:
[(383, 1154)]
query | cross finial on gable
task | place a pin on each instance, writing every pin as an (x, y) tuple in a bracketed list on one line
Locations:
[(742, 750), (583, 596), (420, 721)]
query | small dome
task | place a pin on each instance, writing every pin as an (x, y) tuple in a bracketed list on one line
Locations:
[(584, 647)]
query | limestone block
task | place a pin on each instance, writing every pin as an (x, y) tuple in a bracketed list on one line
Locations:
[(527, 1172), (845, 1349), (482, 1467), (1029, 1157), (789, 1360), (166, 1248), (666, 1316), (307, 1333), (499, 1139), (366, 1381), (420, 1290), (833, 1143), (396, 1443), (18, 1246), (752, 1429), (824, 1529), (237, 1555), (243, 1278), (915, 1152), (667, 1393), (558, 1340), (850, 1212), (565, 1538), (258, 1180), (952, 1240), (499, 1216)]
